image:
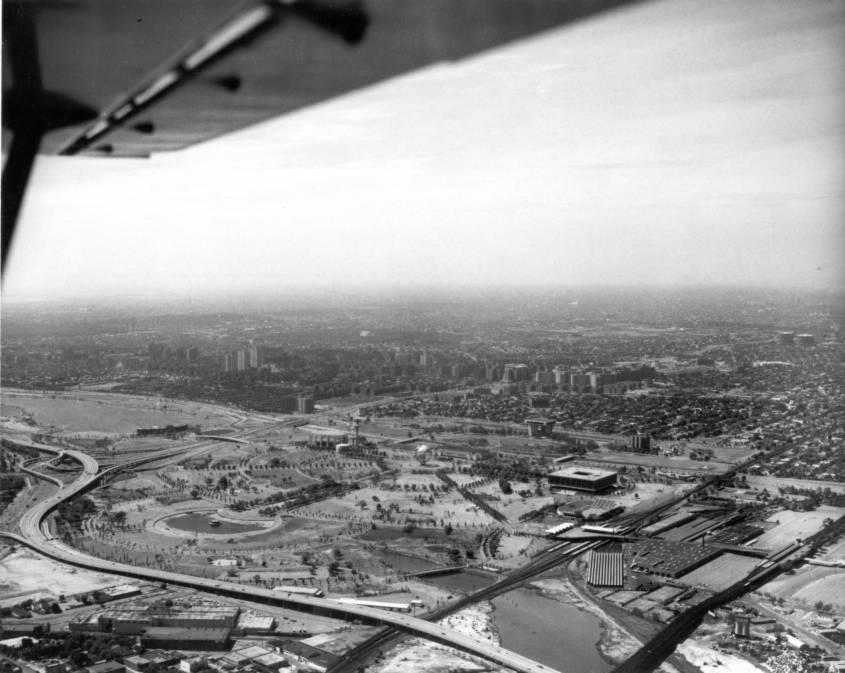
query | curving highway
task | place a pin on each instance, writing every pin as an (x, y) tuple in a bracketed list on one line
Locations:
[(34, 535)]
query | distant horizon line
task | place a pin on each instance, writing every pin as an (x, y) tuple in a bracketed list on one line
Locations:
[(221, 294)]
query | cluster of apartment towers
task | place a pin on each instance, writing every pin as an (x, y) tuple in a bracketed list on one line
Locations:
[(241, 360), (576, 379)]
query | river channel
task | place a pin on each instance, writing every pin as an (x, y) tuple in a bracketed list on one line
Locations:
[(552, 632)]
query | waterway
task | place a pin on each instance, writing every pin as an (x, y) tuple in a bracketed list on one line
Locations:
[(464, 582), (197, 522), (549, 631), (554, 633)]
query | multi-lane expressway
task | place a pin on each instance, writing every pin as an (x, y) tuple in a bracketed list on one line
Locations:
[(34, 534)]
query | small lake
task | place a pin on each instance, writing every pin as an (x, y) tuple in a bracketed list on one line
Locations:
[(198, 522)]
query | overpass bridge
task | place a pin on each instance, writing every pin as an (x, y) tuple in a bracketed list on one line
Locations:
[(35, 535), (436, 572), (224, 438)]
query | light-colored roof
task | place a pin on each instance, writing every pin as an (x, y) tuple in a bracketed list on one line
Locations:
[(587, 473)]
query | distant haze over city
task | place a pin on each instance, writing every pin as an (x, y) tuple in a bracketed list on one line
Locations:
[(680, 143)]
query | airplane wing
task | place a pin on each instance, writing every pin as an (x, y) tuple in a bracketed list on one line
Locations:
[(165, 75), (132, 77)]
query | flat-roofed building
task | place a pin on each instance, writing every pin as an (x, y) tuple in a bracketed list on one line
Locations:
[(117, 592), (234, 660), (309, 657), (107, 667), (84, 623), (271, 662), (186, 638), (582, 479), (662, 525), (670, 559), (605, 568), (540, 427), (252, 624), (136, 663), (252, 652)]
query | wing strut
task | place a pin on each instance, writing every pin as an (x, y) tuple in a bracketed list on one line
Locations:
[(28, 112), (25, 125)]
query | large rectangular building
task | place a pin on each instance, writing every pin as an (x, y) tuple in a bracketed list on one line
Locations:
[(211, 639), (670, 559), (582, 479)]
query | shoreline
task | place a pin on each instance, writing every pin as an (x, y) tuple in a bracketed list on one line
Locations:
[(615, 643)]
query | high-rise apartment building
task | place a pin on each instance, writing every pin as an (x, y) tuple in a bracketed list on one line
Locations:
[(516, 372), (561, 376), (305, 404)]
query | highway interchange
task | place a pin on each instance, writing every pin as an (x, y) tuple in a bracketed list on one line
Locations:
[(34, 534)]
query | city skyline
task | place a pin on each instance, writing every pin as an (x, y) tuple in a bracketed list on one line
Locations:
[(664, 144)]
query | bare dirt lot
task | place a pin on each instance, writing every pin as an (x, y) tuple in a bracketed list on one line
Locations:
[(26, 571)]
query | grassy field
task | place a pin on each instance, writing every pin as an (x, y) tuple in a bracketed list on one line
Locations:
[(773, 483), (448, 508), (793, 525), (809, 585), (833, 552), (514, 505)]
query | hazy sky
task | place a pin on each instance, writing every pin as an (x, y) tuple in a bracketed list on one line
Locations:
[(678, 142)]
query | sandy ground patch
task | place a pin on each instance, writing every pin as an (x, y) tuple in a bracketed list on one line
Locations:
[(713, 661), (26, 571), (513, 545), (418, 656), (475, 621), (15, 426)]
